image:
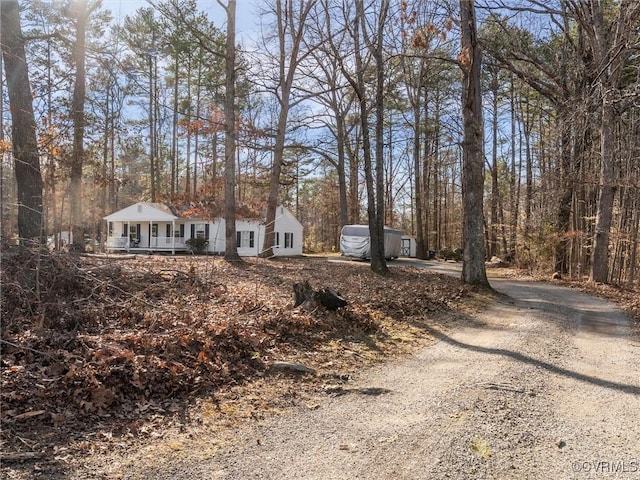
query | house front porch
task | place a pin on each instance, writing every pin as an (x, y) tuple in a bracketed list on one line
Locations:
[(146, 244)]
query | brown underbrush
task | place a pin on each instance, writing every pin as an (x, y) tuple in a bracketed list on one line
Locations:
[(113, 346)]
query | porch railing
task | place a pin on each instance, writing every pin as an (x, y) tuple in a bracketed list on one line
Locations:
[(166, 242), (160, 243)]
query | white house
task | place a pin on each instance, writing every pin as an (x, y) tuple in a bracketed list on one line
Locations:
[(155, 227)]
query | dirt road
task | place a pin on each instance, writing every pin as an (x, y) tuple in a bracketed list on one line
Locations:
[(546, 386)]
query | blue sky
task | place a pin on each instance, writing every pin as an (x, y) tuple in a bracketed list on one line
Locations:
[(246, 19)]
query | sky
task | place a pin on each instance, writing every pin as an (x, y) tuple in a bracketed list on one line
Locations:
[(246, 19)]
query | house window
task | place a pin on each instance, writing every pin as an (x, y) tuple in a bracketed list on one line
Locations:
[(133, 233), (125, 230), (245, 239), (110, 229), (179, 233), (154, 229), (200, 230), (288, 240)]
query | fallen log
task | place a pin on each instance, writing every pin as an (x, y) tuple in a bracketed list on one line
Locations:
[(309, 298), (21, 456), (294, 366)]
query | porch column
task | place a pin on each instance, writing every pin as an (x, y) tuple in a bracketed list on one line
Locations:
[(173, 237)]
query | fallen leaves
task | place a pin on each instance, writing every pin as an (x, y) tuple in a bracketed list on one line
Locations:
[(114, 344)]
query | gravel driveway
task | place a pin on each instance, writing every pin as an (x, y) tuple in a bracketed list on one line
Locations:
[(545, 386)]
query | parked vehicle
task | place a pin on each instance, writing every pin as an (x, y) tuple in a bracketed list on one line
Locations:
[(355, 242)]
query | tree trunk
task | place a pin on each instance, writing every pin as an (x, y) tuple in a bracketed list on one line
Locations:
[(513, 178), (231, 249), (174, 129), (473, 269), (600, 257), (528, 196), (310, 299), (196, 146), (380, 265), (152, 132), (342, 174), (493, 237), (105, 162), (376, 228), (77, 113), (421, 251), (633, 261), (23, 128), (189, 119), (563, 215), (354, 184)]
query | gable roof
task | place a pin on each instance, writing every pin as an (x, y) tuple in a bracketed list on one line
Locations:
[(142, 212), (160, 212), (211, 210)]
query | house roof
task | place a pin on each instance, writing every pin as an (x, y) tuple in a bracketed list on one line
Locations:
[(201, 210), (210, 210), (143, 212)]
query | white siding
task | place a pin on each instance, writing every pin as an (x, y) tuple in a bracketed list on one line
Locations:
[(287, 223), (286, 226), (255, 231), (411, 241)]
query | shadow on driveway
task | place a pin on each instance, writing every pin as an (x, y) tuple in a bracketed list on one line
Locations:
[(621, 387)]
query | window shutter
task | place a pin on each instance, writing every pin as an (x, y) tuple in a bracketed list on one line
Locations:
[(238, 239), (168, 230), (206, 231), (182, 230), (125, 230), (193, 230), (278, 238), (138, 231), (251, 237)]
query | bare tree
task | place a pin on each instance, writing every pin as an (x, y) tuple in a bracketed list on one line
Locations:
[(611, 47), (23, 131), (290, 26), (473, 269), (80, 13), (231, 247), (332, 95), (374, 180), (377, 216)]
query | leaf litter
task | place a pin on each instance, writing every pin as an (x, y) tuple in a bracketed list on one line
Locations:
[(97, 351)]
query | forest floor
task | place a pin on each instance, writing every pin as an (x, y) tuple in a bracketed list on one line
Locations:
[(165, 367)]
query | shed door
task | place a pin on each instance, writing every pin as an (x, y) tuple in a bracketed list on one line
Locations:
[(405, 250)]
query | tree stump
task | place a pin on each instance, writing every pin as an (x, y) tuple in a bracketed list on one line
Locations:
[(309, 298)]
